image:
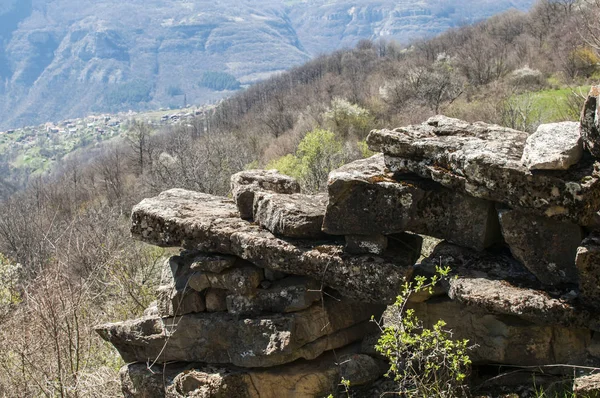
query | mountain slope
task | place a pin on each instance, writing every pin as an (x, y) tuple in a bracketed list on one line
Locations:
[(67, 58)]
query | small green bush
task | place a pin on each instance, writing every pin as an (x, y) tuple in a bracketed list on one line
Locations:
[(423, 362)]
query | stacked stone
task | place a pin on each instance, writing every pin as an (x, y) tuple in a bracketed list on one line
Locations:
[(266, 305)]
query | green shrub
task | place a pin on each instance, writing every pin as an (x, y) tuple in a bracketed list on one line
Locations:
[(423, 362), (318, 153), (345, 118)]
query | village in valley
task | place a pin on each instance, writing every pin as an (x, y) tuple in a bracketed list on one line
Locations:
[(37, 148)]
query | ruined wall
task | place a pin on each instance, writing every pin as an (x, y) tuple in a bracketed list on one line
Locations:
[(273, 292)]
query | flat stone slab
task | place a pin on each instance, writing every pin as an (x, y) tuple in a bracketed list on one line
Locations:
[(209, 223), (544, 246), (286, 295), (553, 146), (366, 199), (258, 342), (293, 216), (485, 161), (498, 284), (301, 379), (505, 339), (245, 184), (588, 269)]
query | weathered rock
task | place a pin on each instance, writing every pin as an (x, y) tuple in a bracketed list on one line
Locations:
[(246, 183), (216, 300), (287, 295), (293, 216), (588, 268), (497, 284), (553, 146), (360, 369), (174, 302), (215, 263), (504, 339), (272, 276), (301, 379), (223, 338), (209, 223), (242, 280), (546, 247), (373, 244), (485, 161), (587, 386), (366, 199), (589, 122)]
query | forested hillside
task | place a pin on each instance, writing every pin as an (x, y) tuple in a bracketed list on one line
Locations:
[(67, 262), (63, 59)]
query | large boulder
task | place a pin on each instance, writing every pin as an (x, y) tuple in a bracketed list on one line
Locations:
[(245, 184), (293, 216), (301, 379), (590, 132), (588, 269), (223, 338), (484, 161), (553, 146), (366, 199), (546, 247), (175, 302), (209, 223)]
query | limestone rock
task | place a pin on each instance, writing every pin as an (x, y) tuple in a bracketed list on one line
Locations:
[(301, 379), (293, 216), (553, 146), (589, 122), (216, 300), (245, 184), (287, 295), (174, 302), (242, 280), (588, 268), (209, 223), (497, 284), (485, 161), (360, 369), (373, 244), (258, 342), (587, 386), (545, 246), (504, 339), (215, 263), (366, 199)]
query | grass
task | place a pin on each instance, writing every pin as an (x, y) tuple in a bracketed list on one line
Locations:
[(556, 105)]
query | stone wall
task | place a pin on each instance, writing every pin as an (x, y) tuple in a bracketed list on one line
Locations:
[(273, 292)]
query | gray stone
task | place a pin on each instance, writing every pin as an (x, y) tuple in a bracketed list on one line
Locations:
[(242, 280), (360, 369), (545, 246), (366, 199), (498, 284), (293, 216), (204, 222), (301, 379), (215, 263), (485, 162), (216, 300), (553, 146), (587, 386), (272, 276), (258, 342), (505, 339), (245, 184), (590, 132), (287, 295), (588, 269), (373, 244), (174, 302)]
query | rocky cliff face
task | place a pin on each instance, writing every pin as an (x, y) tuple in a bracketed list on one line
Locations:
[(64, 58), (255, 307)]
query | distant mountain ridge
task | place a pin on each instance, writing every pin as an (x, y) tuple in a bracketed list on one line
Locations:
[(67, 58)]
